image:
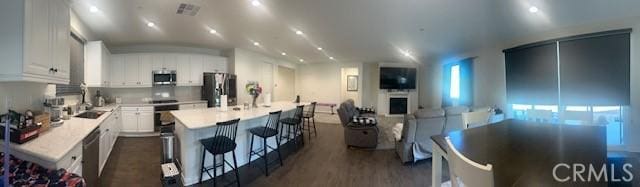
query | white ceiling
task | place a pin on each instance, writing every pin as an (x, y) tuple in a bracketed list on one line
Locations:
[(349, 30)]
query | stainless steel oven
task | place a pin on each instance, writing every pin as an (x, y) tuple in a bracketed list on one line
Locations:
[(164, 77)]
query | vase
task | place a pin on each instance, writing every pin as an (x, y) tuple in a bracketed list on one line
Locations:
[(254, 104)]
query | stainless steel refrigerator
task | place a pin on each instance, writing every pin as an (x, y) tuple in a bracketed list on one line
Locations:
[(217, 84)]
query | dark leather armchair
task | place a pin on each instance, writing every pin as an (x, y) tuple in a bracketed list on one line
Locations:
[(357, 135)]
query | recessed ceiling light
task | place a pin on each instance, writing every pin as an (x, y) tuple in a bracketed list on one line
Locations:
[(93, 9), (331, 57), (151, 24), (256, 3), (213, 31), (533, 9), (319, 48), (406, 53), (256, 43), (283, 53), (301, 60), (298, 32)]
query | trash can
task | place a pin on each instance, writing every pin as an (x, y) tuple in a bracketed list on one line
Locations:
[(168, 139)]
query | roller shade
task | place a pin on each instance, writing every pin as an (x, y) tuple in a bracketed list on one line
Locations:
[(532, 74), (595, 70)]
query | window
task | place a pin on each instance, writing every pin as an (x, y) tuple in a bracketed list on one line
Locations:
[(454, 90)]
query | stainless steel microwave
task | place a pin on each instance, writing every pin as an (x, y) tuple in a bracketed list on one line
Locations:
[(164, 77)]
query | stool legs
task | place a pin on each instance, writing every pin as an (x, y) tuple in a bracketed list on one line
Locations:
[(215, 170), (251, 149), (315, 131), (202, 165), (266, 158), (235, 165)]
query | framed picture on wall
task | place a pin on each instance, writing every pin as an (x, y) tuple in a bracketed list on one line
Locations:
[(352, 83)]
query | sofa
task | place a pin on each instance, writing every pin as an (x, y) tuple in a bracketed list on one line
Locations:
[(418, 127), (355, 135)]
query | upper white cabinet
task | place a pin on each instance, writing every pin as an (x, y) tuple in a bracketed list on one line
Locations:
[(97, 64), (214, 64), (35, 35), (136, 69)]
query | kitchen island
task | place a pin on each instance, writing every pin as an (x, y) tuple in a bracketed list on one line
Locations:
[(194, 125)]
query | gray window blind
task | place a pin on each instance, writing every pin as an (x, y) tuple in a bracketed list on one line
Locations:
[(595, 70), (532, 74)]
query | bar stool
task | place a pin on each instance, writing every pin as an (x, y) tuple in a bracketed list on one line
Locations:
[(268, 131), (223, 142), (308, 117), (294, 126)]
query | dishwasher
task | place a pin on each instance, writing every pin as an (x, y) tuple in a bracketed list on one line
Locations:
[(90, 156)]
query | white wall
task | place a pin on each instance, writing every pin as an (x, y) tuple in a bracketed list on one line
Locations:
[(322, 81), (252, 66)]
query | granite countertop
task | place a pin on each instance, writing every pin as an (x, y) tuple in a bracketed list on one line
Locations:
[(203, 118), (56, 142)]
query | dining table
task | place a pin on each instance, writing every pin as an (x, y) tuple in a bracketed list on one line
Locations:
[(530, 153)]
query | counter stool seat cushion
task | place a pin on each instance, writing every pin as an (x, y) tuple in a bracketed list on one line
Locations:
[(218, 145), (263, 132)]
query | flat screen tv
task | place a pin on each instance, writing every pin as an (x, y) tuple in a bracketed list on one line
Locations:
[(397, 78)]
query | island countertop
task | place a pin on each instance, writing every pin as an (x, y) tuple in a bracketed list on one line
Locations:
[(203, 118)]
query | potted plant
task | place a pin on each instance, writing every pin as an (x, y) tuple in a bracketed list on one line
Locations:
[(254, 89)]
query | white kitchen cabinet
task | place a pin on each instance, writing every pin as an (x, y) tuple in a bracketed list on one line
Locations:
[(109, 130), (195, 63), (137, 119), (145, 69), (164, 61), (60, 46), (215, 64), (183, 70), (96, 65), (35, 41), (116, 71), (189, 69), (131, 68)]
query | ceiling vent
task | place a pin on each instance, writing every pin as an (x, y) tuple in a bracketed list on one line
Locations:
[(188, 9)]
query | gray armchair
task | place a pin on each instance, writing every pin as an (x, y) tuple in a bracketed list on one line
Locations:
[(356, 135), (415, 143), (454, 118)]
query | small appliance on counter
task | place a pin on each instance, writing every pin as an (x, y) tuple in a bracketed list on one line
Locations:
[(99, 99), (54, 107)]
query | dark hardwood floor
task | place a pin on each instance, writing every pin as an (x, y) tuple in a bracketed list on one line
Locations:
[(324, 161)]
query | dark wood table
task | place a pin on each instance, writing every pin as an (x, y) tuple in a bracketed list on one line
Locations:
[(524, 153)]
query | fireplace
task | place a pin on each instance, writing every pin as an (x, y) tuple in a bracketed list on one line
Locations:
[(398, 105)]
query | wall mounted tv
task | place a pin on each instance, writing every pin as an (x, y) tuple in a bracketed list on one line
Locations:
[(397, 78)]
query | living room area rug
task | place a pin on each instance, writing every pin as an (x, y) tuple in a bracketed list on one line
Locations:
[(386, 138)]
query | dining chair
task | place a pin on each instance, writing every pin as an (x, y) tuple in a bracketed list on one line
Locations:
[(475, 119), (539, 115), (466, 171), (582, 117)]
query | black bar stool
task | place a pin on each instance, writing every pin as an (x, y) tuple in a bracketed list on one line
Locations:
[(294, 126), (309, 117), (268, 131), (223, 142)]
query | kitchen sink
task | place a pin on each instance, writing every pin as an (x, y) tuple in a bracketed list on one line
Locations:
[(92, 114)]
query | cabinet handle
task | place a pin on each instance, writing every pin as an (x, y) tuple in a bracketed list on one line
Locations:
[(50, 70), (55, 70), (74, 157)]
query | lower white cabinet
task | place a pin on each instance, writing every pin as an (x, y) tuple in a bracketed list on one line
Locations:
[(137, 119), (109, 130), (72, 161), (192, 106)]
